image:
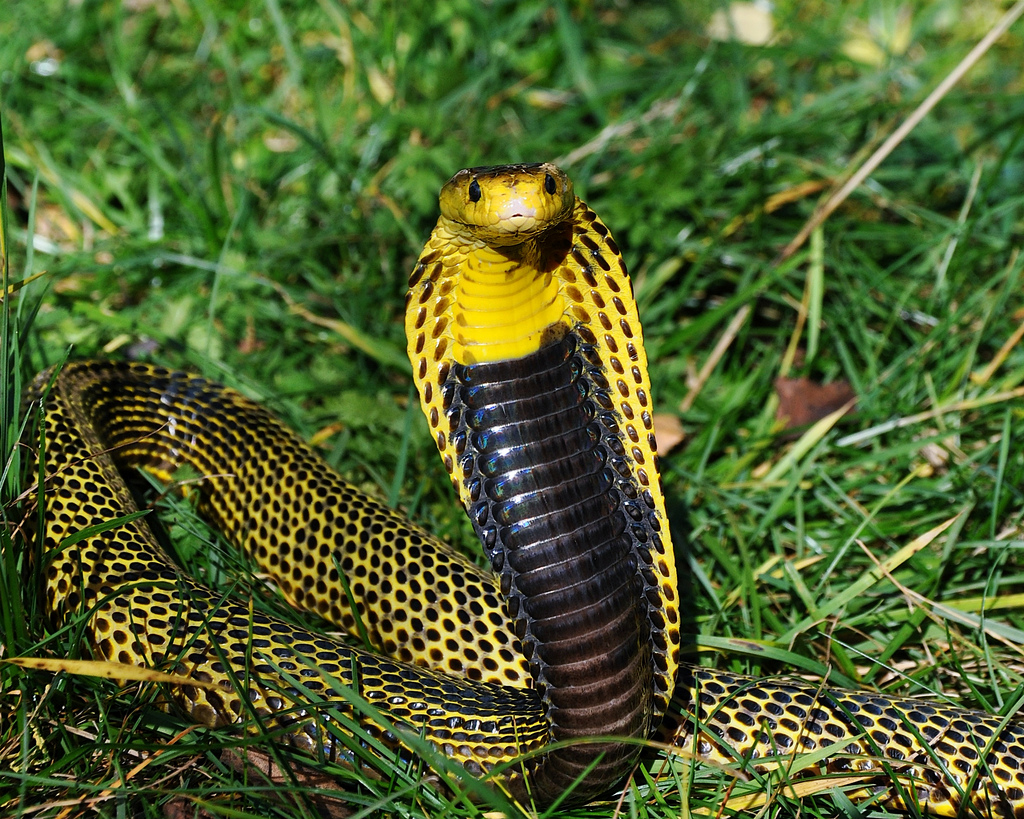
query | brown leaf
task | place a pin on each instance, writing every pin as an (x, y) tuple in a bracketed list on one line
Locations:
[(182, 808), (802, 401), (257, 764), (668, 430)]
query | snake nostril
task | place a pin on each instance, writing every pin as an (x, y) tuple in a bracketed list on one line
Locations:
[(549, 184), (474, 191)]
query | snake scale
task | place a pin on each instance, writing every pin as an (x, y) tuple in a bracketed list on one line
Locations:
[(528, 354)]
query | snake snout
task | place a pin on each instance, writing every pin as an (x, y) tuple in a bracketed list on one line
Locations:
[(519, 221)]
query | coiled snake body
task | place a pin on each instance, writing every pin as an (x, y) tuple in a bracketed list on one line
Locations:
[(527, 351)]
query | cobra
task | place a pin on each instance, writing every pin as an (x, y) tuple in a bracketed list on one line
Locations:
[(528, 354)]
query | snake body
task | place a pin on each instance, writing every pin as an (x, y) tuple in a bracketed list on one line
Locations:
[(528, 355)]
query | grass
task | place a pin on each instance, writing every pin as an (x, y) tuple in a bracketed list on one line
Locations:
[(243, 190)]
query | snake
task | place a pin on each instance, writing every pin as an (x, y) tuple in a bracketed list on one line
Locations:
[(546, 672)]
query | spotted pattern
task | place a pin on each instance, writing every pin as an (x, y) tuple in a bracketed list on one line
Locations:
[(303, 525), (910, 754), (419, 601)]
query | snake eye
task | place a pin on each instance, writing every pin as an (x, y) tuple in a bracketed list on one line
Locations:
[(549, 184), (474, 191)]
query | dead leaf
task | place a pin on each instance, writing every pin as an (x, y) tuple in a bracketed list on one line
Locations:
[(803, 402), (250, 343), (668, 430), (181, 807), (256, 764), (794, 193), (745, 22), (888, 32)]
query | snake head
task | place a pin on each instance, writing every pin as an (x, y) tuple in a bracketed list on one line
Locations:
[(508, 204)]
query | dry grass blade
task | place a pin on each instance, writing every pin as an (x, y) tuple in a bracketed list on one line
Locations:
[(14, 287), (723, 344), (111, 671), (836, 199)]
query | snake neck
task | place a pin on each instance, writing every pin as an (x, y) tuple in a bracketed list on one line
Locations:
[(508, 297)]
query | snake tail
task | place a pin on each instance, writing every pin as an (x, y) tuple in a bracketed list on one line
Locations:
[(906, 754)]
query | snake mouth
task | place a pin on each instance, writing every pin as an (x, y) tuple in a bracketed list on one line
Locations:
[(519, 222), (516, 212), (510, 223)]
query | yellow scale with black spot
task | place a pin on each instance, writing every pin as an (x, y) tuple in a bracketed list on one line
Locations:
[(528, 354)]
